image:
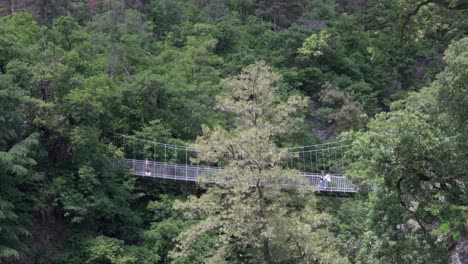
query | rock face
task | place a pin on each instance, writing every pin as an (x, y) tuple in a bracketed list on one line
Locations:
[(459, 255), (319, 131)]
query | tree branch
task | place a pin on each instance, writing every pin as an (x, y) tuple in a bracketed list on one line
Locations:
[(460, 6), (399, 191), (445, 4)]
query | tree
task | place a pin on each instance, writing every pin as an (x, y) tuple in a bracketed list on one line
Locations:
[(339, 111), (415, 158), (92, 193), (251, 213), (164, 14), (18, 32), (281, 13), (66, 33), (110, 250), (16, 174)]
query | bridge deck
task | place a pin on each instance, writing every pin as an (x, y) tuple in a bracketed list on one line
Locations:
[(339, 183)]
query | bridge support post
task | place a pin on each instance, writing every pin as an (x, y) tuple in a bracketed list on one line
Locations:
[(186, 164)]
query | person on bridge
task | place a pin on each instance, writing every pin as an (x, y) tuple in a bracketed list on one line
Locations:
[(147, 168), (327, 180), (322, 180)]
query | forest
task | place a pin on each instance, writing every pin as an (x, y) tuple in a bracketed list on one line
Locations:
[(240, 81)]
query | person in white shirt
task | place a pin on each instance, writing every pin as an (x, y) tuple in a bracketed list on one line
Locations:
[(327, 180), (147, 168)]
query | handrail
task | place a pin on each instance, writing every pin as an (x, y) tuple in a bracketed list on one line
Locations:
[(146, 168)]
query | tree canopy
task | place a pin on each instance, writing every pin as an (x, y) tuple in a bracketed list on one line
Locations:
[(241, 81)]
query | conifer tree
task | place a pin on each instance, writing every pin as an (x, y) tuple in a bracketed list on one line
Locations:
[(15, 170)]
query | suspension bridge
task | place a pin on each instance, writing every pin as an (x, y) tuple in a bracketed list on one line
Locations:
[(147, 158)]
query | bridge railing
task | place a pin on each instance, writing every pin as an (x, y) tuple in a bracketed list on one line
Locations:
[(170, 171), (339, 183)]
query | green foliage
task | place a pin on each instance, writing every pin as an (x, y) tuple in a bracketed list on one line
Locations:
[(98, 192), (16, 172), (10, 98), (411, 158), (10, 234), (110, 250), (452, 83), (251, 214), (339, 111), (315, 44), (18, 35), (159, 69), (65, 33)]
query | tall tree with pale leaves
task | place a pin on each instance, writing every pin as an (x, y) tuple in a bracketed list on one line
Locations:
[(255, 215)]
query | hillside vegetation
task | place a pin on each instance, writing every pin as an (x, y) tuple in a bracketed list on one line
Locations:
[(389, 76)]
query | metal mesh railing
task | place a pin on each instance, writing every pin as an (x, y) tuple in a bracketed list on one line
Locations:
[(145, 168)]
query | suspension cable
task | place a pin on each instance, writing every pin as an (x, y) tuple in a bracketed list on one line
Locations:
[(316, 145), (134, 155)]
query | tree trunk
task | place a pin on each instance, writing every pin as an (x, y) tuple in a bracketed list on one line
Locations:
[(266, 242), (266, 251)]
